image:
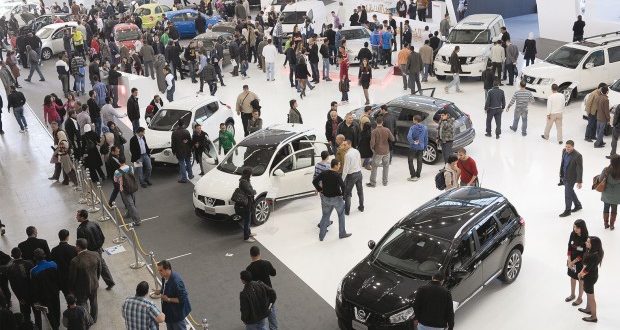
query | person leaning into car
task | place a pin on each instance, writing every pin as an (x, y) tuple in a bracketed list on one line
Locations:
[(433, 307)]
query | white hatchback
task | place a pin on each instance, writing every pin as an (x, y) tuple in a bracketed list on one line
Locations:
[(205, 110), (51, 37), (282, 159)]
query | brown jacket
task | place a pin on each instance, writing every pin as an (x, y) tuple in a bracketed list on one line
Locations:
[(603, 114), (590, 109), (84, 273), (427, 54), (380, 139)]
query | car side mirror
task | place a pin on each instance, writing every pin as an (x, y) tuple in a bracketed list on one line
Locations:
[(589, 65), (278, 172), (371, 244), (459, 273)]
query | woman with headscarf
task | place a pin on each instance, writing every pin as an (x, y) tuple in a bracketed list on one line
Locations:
[(64, 157), (529, 49), (91, 153)]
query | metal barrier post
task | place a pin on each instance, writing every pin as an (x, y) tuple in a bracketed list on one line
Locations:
[(205, 324), (78, 175), (104, 216), (83, 192), (120, 238), (138, 263), (91, 198), (156, 293)]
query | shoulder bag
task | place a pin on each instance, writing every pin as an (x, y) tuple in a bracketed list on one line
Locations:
[(599, 182)]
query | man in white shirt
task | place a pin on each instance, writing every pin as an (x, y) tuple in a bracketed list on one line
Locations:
[(62, 68), (109, 113), (269, 53), (498, 56), (352, 176), (555, 107), (169, 84)]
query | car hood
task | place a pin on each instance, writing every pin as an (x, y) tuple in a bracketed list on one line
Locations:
[(542, 69), (468, 50), (378, 289), (217, 184), (158, 139)]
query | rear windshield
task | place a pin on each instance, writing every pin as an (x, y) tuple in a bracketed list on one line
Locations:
[(293, 17), (128, 34)]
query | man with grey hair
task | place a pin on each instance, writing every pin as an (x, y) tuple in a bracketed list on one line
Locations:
[(33, 60)]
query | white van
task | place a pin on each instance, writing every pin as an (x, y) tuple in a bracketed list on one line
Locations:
[(474, 35), (295, 14)]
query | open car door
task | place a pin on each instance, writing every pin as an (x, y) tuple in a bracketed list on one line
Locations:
[(209, 156)]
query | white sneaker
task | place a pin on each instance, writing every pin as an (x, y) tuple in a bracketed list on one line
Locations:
[(21, 131), (249, 240), (415, 178)]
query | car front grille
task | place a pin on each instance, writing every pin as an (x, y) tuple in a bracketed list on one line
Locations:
[(209, 201), (530, 80)]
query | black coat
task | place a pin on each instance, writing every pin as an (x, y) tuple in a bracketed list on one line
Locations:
[(254, 300), (44, 289), (73, 134), (133, 108), (92, 233), (32, 243), (18, 273), (179, 148), (488, 77), (574, 172), (329, 128), (93, 158), (134, 148), (433, 306), (364, 53), (350, 133), (62, 255), (301, 72), (364, 145), (529, 49)]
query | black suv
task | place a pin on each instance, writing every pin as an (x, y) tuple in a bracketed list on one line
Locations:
[(471, 235), (405, 107)]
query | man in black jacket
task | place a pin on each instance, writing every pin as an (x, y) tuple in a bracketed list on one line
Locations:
[(94, 111), (571, 173), (488, 77), (433, 305), (18, 273), (256, 300), (95, 238), (133, 109), (113, 77), (16, 102), (140, 152), (44, 289), (331, 128), (62, 255), (32, 243), (494, 107), (291, 59), (350, 130), (181, 143), (313, 58), (455, 68), (73, 134), (93, 71)]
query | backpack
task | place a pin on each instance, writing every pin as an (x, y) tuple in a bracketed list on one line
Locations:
[(130, 184), (440, 180)]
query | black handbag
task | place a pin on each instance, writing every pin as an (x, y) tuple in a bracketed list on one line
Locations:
[(239, 197)]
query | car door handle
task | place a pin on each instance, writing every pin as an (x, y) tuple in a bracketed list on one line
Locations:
[(477, 264)]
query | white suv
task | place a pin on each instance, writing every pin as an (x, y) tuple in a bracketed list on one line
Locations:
[(474, 35), (576, 67), (282, 159)]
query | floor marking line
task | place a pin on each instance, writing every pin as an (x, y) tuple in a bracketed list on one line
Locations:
[(183, 255), (142, 220)]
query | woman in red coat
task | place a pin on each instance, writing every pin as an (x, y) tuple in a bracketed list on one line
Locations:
[(50, 110), (344, 75)]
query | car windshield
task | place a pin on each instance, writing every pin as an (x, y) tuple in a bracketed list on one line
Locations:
[(256, 157), (293, 17), (355, 34), (166, 119), (469, 37), (45, 33), (223, 28), (412, 252), (143, 11), (615, 86), (128, 34), (279, 2), (568, 57)]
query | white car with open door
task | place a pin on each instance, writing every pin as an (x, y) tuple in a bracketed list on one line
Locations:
[(51, 37), (282, 159), (207, 111), (355, 36)]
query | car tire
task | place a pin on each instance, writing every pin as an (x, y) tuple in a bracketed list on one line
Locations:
[(430, 154), (262, 210), (440, 77), (512, 267), (46, 54), (230, 126)]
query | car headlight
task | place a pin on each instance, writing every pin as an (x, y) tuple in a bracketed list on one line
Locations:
[(546, 81), (339, 292), (402, 316)]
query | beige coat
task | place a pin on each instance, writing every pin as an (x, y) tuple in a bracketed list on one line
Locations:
[(451, 176), (426, 52)]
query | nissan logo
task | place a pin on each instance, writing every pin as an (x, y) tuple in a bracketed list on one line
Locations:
[(210, 201), (361, 315)]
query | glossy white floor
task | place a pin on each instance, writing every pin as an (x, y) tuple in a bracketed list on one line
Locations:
[(525, 169)]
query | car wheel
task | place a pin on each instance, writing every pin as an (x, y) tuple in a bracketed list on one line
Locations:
[(512, 267), (46, 54), (230, 126), (439, 77), (261, 210), (568, 94), (429, 156)]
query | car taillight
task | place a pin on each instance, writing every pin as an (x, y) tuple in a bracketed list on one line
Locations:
[(522, 221)]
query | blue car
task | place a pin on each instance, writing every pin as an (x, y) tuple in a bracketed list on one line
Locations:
[(185, 21)]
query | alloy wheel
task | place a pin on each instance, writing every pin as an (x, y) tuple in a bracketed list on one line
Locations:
[(430, 154), (262, 211), (514, 263)]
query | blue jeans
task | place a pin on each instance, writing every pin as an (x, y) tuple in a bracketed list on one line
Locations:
[(325, 68), (591, 127), (333, 53), (260, 325), (144, 172), (427, 70), (600, 130), (246, 217), (315, 71), (327, 205), (97, 123), (170, 94), (515, 122), (135, 124), (456, 81), (424, 327), (79, 83), (185, 167), (277, 41), (244, 68), (570, 196), (271, 71), (273, 322), (350, 181), (18, 112)]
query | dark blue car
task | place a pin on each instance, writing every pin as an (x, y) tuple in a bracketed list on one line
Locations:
[(185, 21)]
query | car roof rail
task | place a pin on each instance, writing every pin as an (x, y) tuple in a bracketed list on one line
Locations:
[(600, 35)]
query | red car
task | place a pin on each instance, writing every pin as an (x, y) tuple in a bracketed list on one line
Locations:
[(127, 34)]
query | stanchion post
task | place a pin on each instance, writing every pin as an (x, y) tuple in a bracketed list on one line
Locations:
[(120, 238), (103, 217), (92, 196), (205, 324), (138, 263), (83, 184), (78, 174), (156, 293)]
